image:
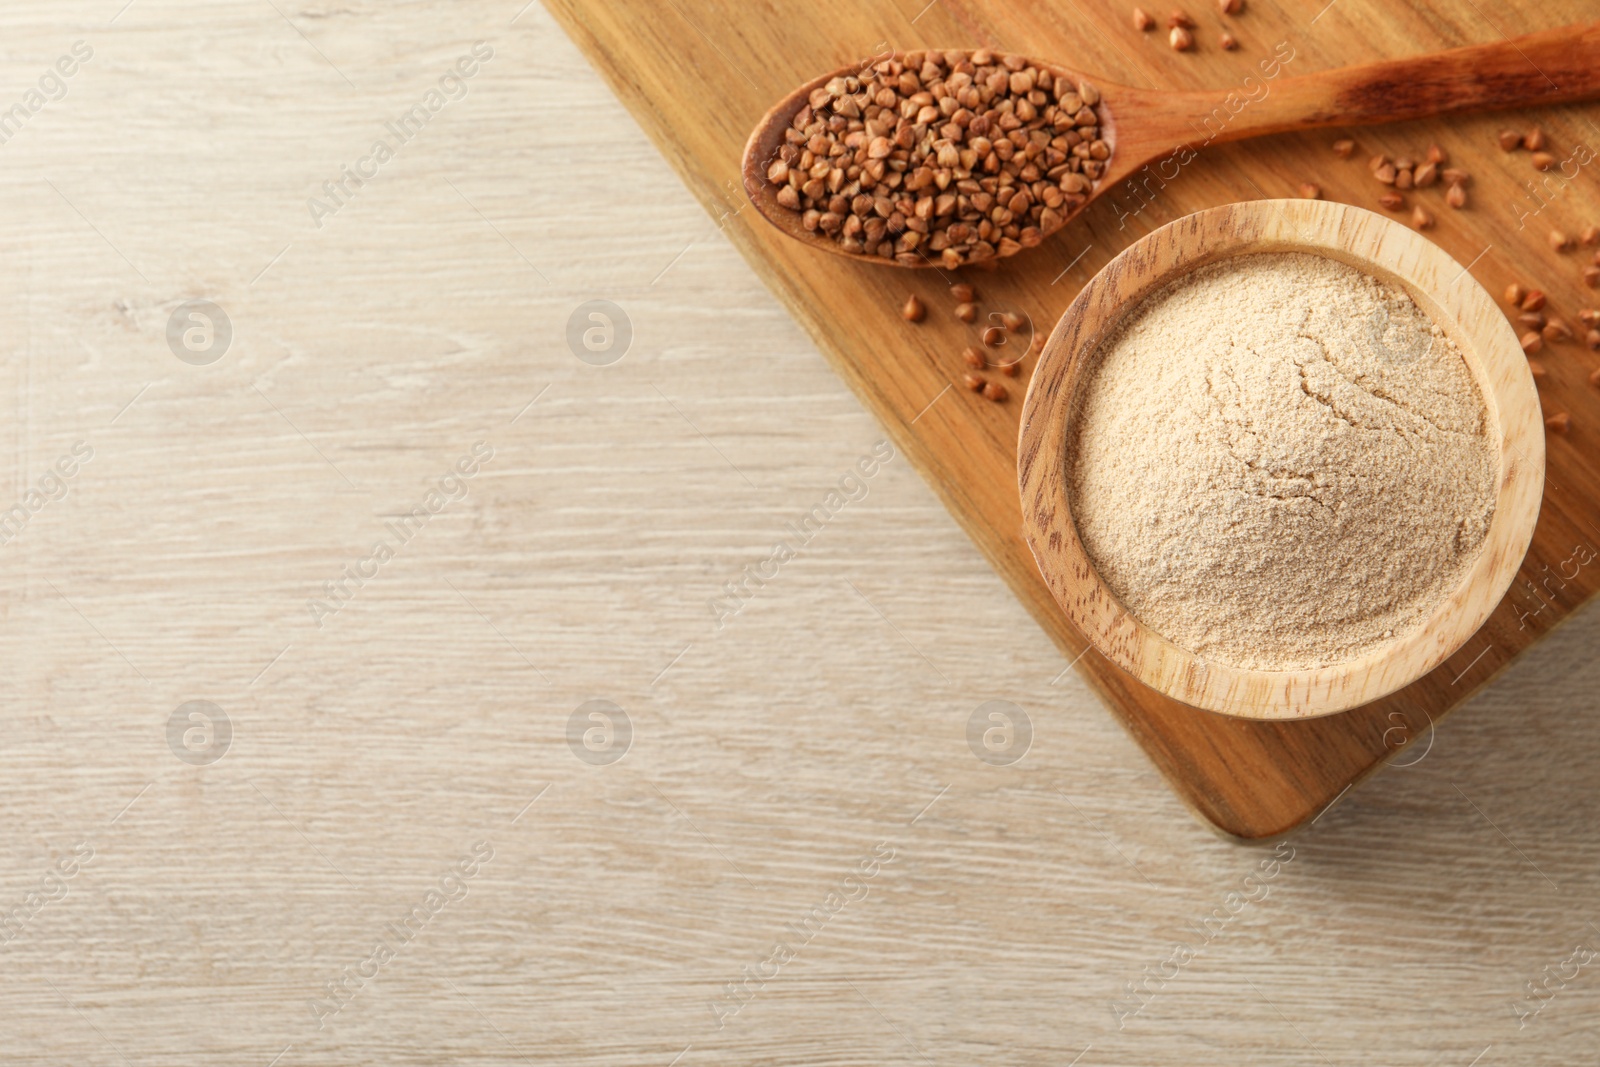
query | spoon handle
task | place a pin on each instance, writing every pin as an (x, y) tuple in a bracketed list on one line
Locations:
[(1551, 67)]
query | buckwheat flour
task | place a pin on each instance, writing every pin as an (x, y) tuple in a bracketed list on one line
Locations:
[(1281, 462)]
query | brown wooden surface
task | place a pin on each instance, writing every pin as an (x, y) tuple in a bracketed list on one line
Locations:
[(698, 75)]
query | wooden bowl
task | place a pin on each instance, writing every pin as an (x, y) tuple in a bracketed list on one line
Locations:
[(1441, 287)]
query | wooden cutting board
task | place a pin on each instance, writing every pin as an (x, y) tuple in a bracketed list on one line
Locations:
[(699, 73)]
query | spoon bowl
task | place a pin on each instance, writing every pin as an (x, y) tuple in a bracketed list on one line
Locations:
[(768, 139)]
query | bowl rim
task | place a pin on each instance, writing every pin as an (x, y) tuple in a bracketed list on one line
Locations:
[(1372, 243)]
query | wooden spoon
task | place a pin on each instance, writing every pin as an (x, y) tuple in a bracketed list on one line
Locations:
[(1143, 126)]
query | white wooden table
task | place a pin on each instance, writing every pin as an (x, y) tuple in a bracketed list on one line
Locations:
[(797, 858)]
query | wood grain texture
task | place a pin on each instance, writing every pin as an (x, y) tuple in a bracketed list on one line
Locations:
[(768, 756), (1250, 780), (1560, 64), (1371, 243)]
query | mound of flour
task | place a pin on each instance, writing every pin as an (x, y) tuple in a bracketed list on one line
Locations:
[(1281, 462)]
